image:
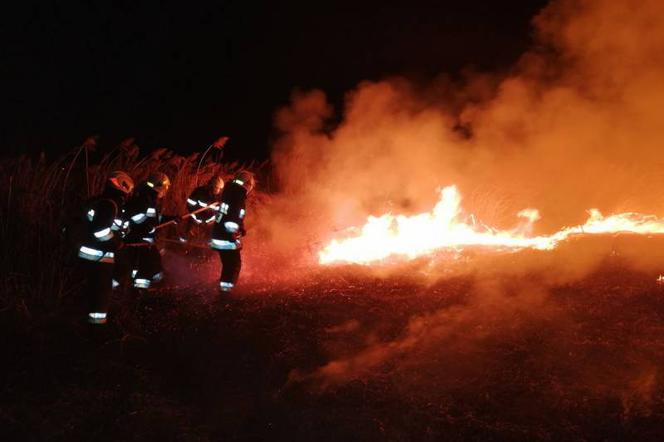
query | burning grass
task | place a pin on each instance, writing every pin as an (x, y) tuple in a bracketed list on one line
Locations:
[(447, 227)]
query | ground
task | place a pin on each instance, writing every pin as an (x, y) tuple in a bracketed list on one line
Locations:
[(344, 354)]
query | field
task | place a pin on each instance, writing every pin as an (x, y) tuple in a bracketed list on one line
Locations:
[(470, 345), (345, 354)]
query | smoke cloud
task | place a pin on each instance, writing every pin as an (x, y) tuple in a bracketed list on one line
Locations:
[(574, 125)]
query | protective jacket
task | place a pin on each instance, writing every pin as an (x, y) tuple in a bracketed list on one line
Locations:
[(144, 260), (142, 211), (101, 229), (203, 197), (229, 222)]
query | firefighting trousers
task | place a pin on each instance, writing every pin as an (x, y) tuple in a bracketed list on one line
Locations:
[(98, 286), (141, 264), (231, 263), (122, 267), (148, 266)]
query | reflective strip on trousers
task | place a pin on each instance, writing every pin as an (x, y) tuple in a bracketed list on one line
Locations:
[(220, 244), (141, 283), (231, 226), (226, 286), (97, 318)]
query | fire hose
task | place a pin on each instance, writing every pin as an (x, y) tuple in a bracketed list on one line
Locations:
[(173, 221)]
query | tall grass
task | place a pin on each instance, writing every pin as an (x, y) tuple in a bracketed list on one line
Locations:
[(39, 195)]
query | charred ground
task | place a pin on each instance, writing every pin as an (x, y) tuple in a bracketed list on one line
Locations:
[(345, 355)]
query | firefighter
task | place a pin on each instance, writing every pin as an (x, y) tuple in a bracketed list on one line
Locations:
[(201, 197), (229, 228), (99, 240), (143, 212)]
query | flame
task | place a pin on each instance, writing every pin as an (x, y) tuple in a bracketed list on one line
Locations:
[(445, 226)]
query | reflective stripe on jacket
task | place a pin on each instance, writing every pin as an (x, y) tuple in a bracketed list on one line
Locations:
[(202, 197), (142, 212)]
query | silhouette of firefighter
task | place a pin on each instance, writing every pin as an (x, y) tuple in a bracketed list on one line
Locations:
[(200, 222), (98, 238), (229, 228), (143, 210)]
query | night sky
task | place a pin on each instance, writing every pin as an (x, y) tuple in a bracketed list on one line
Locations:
[(180, 74)]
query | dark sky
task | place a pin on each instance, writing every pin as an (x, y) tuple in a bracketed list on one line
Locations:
[(180, 74)]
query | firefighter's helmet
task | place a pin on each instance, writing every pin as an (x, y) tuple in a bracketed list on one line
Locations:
[(159, 182), (121, 181), (245, 179), (216, 184)]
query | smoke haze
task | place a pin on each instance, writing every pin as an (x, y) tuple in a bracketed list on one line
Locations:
[(574, 125)]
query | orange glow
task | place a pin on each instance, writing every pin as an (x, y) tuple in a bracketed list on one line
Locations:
[(446, 226)]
